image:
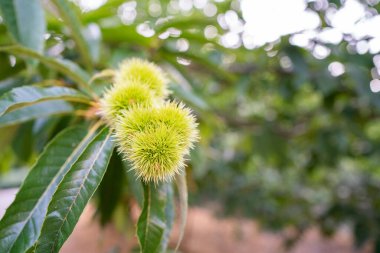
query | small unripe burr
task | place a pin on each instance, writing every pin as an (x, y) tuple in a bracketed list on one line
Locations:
[(122, 97), (143, 72), (153, 135), (156, 140)]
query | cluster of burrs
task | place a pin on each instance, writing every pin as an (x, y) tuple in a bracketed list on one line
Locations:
[(154, 134)]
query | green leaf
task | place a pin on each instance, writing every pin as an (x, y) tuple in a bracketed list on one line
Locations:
[(104, 74), (182, 87), (69, 15), (43, 131), (66, 67), (74, 192), (169, 217), (21, 224), (206, 64), (111, 188), (152, 221), (135, 187), (29, 95), (43, 109), (25, 20), (182, 193), (10, 83), (123, 33), (23, 142), (189, 96)]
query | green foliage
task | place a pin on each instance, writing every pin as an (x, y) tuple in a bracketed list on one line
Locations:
[(38, 189), (282, 140), (69, 13), (151, 226), (110, 191), (75, 162), (28, 95), (25, 20), (183, 198), (64, 66), (73, 193), (36, 111)]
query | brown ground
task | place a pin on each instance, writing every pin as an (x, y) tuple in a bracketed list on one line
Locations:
[(204, 234)]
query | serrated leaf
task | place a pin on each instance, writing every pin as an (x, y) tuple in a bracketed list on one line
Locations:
[(25, 20), (29, 95), (152, 221), (43, 109), (183, 206), (66, 67), (74, 192), (22, 222)]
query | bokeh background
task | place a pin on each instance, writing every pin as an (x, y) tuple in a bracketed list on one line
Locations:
[(286, 95)]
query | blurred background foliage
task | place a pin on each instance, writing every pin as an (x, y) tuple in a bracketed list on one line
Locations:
[(290, 134)]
